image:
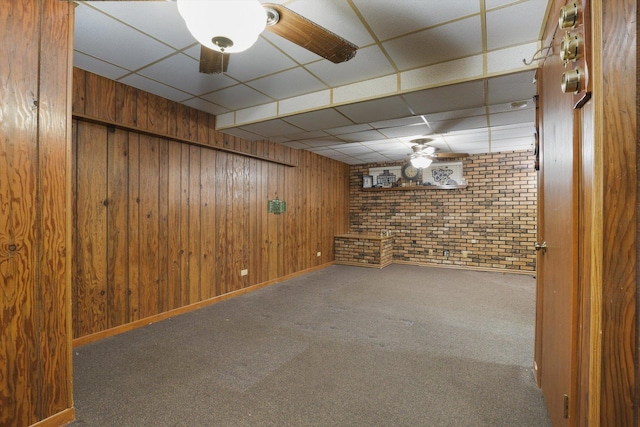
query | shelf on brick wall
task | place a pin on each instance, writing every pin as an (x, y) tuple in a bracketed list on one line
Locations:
[(417, 187)]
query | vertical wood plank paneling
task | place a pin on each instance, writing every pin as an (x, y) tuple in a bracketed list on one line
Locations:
[(126, 104), (195, 223), (18, 183), (134, 227), (619, 133), (91, 223), (100, 97), (79, 78), (197, 217), (117, 217), (149, 226), (208, 207), (185, 172), (174, 224), (157, 119), (222, 231), (54, 388), (163, 224)]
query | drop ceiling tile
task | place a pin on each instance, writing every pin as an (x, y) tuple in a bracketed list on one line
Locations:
[(354, 149), (447, 98), (181, 72), (464, 123), (406, 131), (287, 84), (516, 116), (444, 43), (320, 119), (152, 86), (403, 121), (201, 104), (504, 29), (370, 135), (510, 132), (96, 66), (388, 19), (368, 63), (511, 87), (318, 134), (242, 65), (456, 114), (160, 20), (237, 97), (299, 54), (372, 158), (348, 129), (465, 138), (277, 127), (329, 141), (296, 145), (392, 107), (112, 41)]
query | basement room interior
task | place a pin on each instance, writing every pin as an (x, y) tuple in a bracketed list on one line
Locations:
[(318, 212)]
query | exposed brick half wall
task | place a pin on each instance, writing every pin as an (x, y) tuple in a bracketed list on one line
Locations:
[(491, 224)]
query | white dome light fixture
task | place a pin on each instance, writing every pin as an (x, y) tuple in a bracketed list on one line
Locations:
[(227, 26), (420, 161)]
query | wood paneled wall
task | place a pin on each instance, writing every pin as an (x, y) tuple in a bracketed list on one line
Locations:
[(160, 224), (35, 344)]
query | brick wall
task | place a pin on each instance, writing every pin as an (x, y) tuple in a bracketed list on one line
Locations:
[(491, 224)]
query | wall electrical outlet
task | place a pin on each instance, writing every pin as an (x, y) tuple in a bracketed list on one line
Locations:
[(431, 252), (244, 272), (446, 253), (319, 254)]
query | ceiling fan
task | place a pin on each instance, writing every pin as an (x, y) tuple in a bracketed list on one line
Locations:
[(226, 26), (424, 153)]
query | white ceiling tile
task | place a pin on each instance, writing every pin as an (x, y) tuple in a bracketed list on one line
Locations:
[(96, 66), (406, 131), (201, 104), (368, 63), (181, 72), (465, 138), (241, 133), (465, 123), (516, 116), (160, 20), (152, 86), (112, 41), (403, 121), (307, 135), (376, 110), (270, 128), (329, 141), (320, 119), (447, 98), (296, 144), (353, 149), (455, 114), (504, 29), (500, 133), (291, 50), (511, 87), (370, 135), (237, 97), (444, 43), (348, 129), (242, 65), (287, 84), (388, 19)]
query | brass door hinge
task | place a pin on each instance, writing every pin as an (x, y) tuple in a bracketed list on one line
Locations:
[(566, 406)]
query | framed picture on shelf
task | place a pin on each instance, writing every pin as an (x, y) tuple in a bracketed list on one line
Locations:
[(367, 181)]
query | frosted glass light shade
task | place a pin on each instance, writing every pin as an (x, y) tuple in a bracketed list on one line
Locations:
[(240, 21), (420, 161)]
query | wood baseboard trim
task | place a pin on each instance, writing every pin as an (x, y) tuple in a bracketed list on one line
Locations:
[(464, 267), (60, 419), (87, 339)]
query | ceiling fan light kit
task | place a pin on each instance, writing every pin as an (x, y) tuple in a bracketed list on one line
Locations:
[(226, 26)]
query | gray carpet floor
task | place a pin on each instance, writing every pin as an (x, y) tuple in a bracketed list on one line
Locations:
[(343, 346)]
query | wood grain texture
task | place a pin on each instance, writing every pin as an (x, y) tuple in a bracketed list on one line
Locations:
[(34, 195), (619, 132), (196, 216)]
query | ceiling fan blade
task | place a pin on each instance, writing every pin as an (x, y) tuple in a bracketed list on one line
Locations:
[(441, 156), (212, 61), (309, 35)]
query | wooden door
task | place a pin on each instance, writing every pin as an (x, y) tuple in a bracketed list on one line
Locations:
[(557, 228)]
